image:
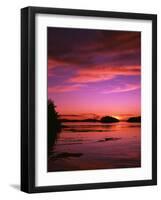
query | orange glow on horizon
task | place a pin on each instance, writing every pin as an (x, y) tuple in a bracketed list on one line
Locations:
[(81, 116)]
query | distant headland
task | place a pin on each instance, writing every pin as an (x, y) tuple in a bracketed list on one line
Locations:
[(80, 120), (104, 119)]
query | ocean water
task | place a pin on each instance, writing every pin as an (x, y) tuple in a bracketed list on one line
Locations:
[(94, 145)]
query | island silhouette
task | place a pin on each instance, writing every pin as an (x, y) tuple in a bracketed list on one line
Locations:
[(134, 119), (109, 119)]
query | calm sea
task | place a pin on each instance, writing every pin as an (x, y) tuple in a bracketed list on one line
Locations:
[(93, 145)]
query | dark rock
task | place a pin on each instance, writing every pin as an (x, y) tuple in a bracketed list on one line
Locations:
[(109, 139), (67, 155)]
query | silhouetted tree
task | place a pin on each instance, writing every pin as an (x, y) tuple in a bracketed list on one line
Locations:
[(54, 125)]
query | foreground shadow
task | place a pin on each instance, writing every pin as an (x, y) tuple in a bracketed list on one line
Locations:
[(15, 186)]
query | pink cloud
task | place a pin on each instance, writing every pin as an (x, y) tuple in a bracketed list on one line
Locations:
[(104, 72), (86, 78), (53, 63), (65, 88), (124, 88)]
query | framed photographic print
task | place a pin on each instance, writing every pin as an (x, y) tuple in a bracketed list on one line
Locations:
[(88, 99)]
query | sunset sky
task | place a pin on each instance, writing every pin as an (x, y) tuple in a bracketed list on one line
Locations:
[(94, 72)]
